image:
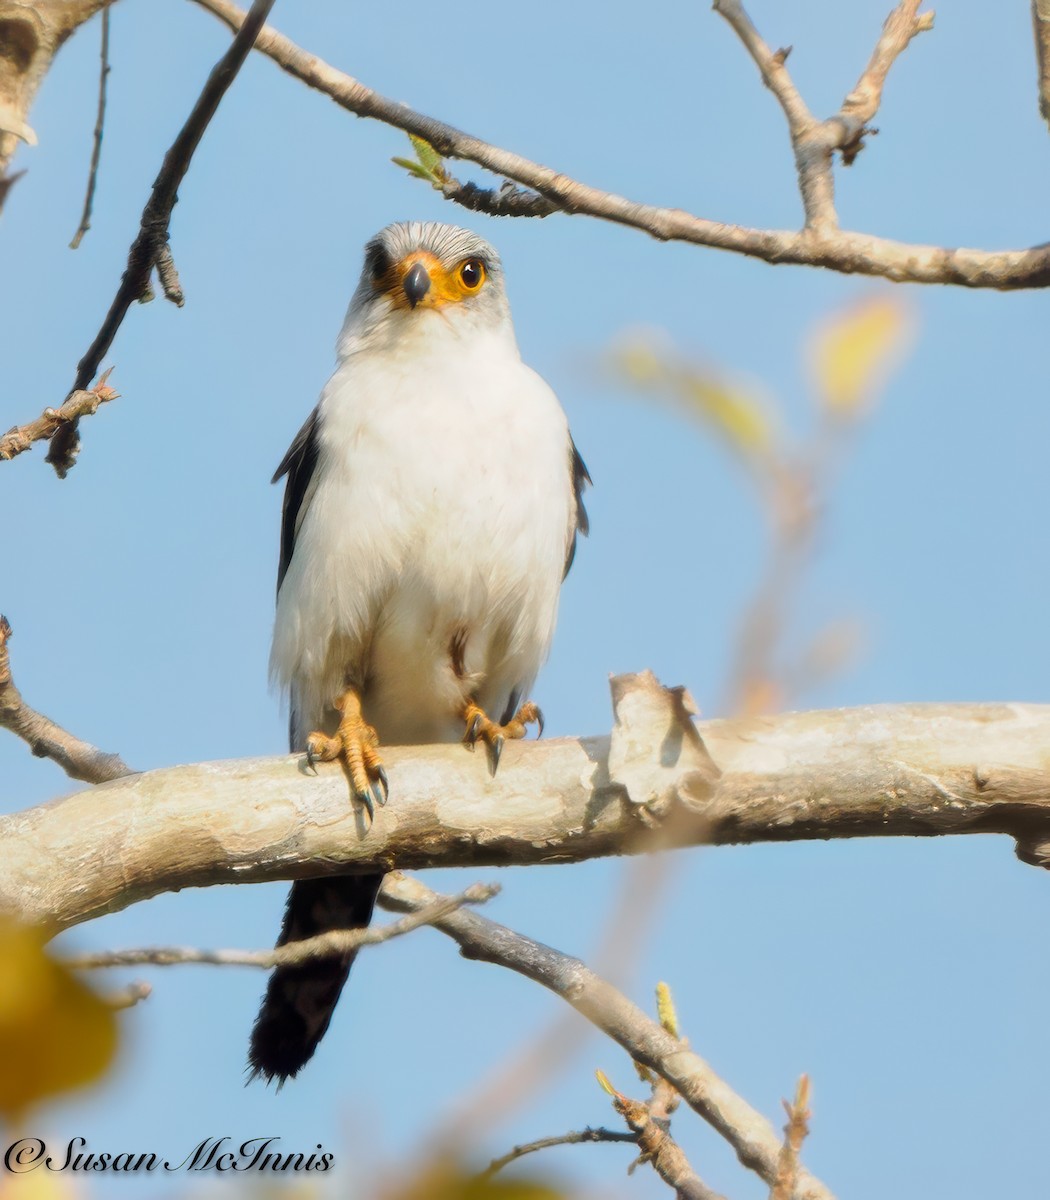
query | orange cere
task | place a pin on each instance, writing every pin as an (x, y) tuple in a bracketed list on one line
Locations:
[(445, 286)]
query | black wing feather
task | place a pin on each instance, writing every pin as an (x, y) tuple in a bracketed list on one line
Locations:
[(298, 464), (580, 479)]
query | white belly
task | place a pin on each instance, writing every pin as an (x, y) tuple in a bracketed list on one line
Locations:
[(429, 558)]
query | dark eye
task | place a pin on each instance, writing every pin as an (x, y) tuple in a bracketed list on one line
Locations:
[(472, 274)]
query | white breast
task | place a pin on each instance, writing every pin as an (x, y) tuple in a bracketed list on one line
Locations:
[(441, 510)]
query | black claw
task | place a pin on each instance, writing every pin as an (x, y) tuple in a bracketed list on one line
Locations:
[(495, 750), (539, 723), (472, 731), (311, 761), (377, 795), (384, 783), (365, 799)]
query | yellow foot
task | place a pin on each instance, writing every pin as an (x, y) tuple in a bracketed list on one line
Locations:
[(356, 746), (480, 727)]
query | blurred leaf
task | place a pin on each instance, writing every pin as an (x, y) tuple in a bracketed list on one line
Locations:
[(55, 1033), (853, 352), (40, 1184), (736, 413), (447, 1181)]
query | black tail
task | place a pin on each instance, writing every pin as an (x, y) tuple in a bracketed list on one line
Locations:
[(300, 1000)]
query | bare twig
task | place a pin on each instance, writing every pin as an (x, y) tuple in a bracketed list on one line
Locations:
[(831, 248), (96, 148), (150, 250), (795, 1132), (565, 1139), (128, 996), (79, 404), (751, 1136), (920, 770), (323, 945), (1041, 29), (657, 1147), (508, 200), (79, 759)]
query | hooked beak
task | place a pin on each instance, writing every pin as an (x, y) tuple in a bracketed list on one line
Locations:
[(416, 284)]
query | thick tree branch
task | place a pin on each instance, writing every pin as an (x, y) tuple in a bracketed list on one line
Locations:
[(79, 759), (752, 1137), (910, 770), (827, 247), (149, 250)]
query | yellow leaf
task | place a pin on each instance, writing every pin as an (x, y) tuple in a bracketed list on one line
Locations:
[(735, 412), (55, 1033), (853, 352)]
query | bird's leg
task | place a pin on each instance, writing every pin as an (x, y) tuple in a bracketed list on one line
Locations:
[(481, 727), (355, 744)]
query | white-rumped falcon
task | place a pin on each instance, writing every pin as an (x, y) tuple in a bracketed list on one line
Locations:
[(430, 514)]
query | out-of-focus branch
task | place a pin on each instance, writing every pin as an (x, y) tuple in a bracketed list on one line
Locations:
[(79, 759), (1041, 29), (658, 781), (149, 251), (751, 1136), (819, 244), (323, 945), (79, 404)]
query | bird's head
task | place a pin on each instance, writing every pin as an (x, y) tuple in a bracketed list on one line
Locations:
[(416, 271)]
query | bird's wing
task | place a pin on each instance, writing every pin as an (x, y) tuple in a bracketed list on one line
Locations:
[(580, 479), (298, 464)]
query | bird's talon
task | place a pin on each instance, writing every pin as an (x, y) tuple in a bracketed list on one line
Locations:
[(495, 750), (539, 723), (384, 783)]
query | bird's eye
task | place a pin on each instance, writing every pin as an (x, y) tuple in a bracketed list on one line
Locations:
[(472, 274)]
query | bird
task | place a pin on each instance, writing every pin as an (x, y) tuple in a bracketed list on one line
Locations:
[(432, 504)]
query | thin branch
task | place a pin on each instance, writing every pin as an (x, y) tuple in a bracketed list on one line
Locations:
[(852, 253), (771, 66), (861, 105), (565, 1139), (79, 759), (96, 149), (657, 781), (151, 243), (752, 1137), (79, 404), (1041, 30), (323, 945)]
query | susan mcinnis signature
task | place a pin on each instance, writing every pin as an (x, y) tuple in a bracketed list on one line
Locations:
[(261, 1154)]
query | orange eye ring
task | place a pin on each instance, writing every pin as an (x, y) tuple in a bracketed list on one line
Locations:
[(471, 274)]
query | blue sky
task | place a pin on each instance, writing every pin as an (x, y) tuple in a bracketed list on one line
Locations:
[(906, 977)]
